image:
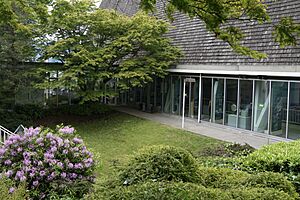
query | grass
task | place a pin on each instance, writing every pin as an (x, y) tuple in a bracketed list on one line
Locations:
[(119, 135)]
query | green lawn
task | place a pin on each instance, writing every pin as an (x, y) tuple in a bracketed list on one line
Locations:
[(119, 135)]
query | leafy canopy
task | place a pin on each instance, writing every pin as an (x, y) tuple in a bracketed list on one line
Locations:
[(99, 47), (20, 23), (218, 15)]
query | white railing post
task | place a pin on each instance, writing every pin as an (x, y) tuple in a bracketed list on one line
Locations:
[(4, 134)]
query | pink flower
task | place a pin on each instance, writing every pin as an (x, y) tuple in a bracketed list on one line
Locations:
[(67, 130)]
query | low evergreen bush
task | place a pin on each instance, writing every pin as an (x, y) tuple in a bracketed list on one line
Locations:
[(234, 179), (164, 172), (186, 191), (160, 163), (221, 177), (271, 180), (281, 157)]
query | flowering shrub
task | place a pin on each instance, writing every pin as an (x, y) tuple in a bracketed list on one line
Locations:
[(51, 162)]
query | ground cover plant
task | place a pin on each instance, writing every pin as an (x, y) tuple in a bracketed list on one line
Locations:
[(52, 163), (282, 157), (165, 172)]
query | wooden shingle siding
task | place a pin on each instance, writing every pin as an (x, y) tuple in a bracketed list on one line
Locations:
[(201, 47)]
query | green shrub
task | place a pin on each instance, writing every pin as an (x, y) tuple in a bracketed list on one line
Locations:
[(9, 191), (11, 120), (186, 191), (278, 157), (87, 109), (282, 157), (271, 180), (32, 111), (160, 163), (221, 177), (229, 179), (221, 162), (258, 193), (27, 114)]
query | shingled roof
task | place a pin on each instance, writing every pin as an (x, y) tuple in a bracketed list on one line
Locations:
[(201, 47)]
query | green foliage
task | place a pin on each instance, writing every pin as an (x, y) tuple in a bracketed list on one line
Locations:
[(218, 16), (14, 78), (286, 32), (233, 179), (222, 162), (100, 46), (21, 114), (271, 180), (20, 23), (282, 157), (9, 191), (167, 167), (221, 178), (279, 157), (160, 163), (28, 114), (87, 109), (187, 191), (161, 191)]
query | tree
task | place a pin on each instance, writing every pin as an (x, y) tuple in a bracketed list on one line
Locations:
[(20, 21), (217, 13), (20, 27), (99, 46)]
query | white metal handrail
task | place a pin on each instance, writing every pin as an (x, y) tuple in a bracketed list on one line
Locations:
[(4, 134)]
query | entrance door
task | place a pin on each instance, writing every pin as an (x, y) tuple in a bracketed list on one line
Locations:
[(191, 99), (206, 99)]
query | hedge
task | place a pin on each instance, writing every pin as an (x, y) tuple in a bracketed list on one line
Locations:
[(186, 191)]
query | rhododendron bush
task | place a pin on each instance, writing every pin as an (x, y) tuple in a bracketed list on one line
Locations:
[(50, 162)]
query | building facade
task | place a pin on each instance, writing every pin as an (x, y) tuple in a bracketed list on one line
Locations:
[(214, 84)]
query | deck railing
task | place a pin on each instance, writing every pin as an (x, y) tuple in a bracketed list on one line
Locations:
[(4, 134)]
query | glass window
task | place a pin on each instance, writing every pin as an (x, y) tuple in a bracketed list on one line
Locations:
[(206, 99), (158, 93), (245, 105), (261, 106), (191, 98), (278, 108), (231, 102), (218, 100), (294, 112), (195, 97), (176, 94), (167, 98)]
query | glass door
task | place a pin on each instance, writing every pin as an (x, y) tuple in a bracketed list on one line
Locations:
[(261, 106), (245, 105), (231, 102), (191, 98), (218, 100), (206, 99), (279, 95)]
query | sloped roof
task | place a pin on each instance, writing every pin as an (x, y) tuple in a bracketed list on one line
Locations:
[(201, 47)]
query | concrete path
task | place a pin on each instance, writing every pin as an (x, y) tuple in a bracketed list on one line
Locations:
[(208, 129)]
